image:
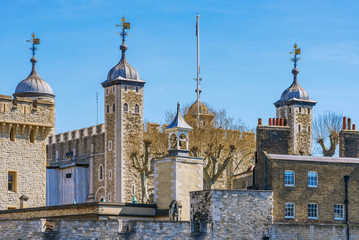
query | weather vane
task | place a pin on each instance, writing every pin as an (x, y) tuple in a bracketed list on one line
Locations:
[(34, 41), (124, 25), (296, 52)]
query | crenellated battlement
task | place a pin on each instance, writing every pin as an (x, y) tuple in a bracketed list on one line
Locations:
[(24, 115), (76, 134)]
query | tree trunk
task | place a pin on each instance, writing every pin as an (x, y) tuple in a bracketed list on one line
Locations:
[(144, 197)]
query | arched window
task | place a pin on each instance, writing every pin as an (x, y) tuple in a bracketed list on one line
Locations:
[(183, 141), (173, 141), (100, 172), (137, 108), (32, 136), (125, 107)]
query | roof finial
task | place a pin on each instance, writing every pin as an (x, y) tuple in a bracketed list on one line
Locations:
[(178, 107), (296, 52), (124, 25)]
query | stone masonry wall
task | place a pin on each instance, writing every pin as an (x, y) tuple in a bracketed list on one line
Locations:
[(349, 143), (232, 213), (272, 139), (24, 126)]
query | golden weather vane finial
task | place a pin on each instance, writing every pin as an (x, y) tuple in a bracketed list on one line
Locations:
[(34, 41), (125, 26), (296, 52)]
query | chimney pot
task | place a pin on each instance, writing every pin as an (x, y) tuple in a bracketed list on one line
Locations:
[(259, 121), (270, 122), (344, 123), (349, 124), (353, 126)]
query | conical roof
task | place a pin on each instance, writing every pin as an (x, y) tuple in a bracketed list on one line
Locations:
[(34, 86)]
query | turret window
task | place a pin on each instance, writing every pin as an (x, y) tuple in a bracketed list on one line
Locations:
[(32, 136), (12, 134), (299, 128), (113, 107), (108, 108), (308, 110), (309, 129), (300, 109), (137, 108), (125, 88), (125, 107), (100, 173), (290, 110), (136, 89)]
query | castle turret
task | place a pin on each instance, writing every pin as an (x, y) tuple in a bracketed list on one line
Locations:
[(123, 121), (295, 106)]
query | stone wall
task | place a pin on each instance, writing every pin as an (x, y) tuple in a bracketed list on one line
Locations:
[(228, 213), (271, 139), (349, 143), (24, 126)]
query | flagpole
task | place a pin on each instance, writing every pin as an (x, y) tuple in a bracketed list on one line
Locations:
[(197, 34)]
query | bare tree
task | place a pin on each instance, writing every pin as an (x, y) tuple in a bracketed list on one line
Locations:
[(326, 127), (155, 145)]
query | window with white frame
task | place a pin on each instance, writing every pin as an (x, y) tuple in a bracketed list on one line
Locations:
[(313, 211), (312, 179), (289, 178), (289, 210), (338, 212)]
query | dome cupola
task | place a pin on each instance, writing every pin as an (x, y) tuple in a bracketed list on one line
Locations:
[(34, 86)]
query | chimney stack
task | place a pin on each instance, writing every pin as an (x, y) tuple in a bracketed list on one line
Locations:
[(23, 201), (259, 121), (349, 124), (344, 123)]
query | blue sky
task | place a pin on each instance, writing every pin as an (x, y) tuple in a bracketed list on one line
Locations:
[(244, 53)]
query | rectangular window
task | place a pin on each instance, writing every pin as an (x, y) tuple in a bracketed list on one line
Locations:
[(289, 210), (110, 145), (11, 181), (312, 179), (68, 175), (57, 154), (289, 177), (338, 212), (313, 211), (109, 197)]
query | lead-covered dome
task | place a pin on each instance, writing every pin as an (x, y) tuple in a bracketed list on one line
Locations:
[(123, 69), (295, 92), (34, 86)]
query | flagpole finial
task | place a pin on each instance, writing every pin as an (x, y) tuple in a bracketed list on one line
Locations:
[(34, 41)]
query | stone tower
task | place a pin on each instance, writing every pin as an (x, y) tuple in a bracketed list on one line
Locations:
[(295, 106), (177, 174), (123, 122), (26, 121)]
